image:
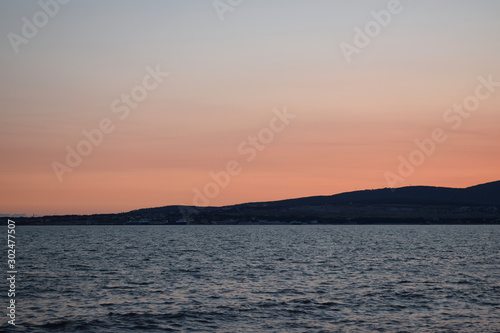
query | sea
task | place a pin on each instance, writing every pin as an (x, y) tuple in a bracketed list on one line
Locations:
[(256, 278)]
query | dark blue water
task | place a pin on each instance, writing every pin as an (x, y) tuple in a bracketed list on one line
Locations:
[(257, 279)]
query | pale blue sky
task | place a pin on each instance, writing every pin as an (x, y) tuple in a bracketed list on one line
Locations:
[(226, 76)]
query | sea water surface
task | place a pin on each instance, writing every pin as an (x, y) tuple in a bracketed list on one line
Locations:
[(309, 278)]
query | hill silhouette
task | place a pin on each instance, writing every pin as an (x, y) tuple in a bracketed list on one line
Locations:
[(479, 204), (484, 194)]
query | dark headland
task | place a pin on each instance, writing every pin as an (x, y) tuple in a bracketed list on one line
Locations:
[(478, 204)]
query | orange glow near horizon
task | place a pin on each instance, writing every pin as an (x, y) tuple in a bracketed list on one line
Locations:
[(352, 121)]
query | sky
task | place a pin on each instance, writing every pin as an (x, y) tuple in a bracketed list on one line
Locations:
[(110, 106)]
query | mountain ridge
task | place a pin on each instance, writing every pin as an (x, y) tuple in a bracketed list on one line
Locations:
[(478, 204), (489, 194)]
